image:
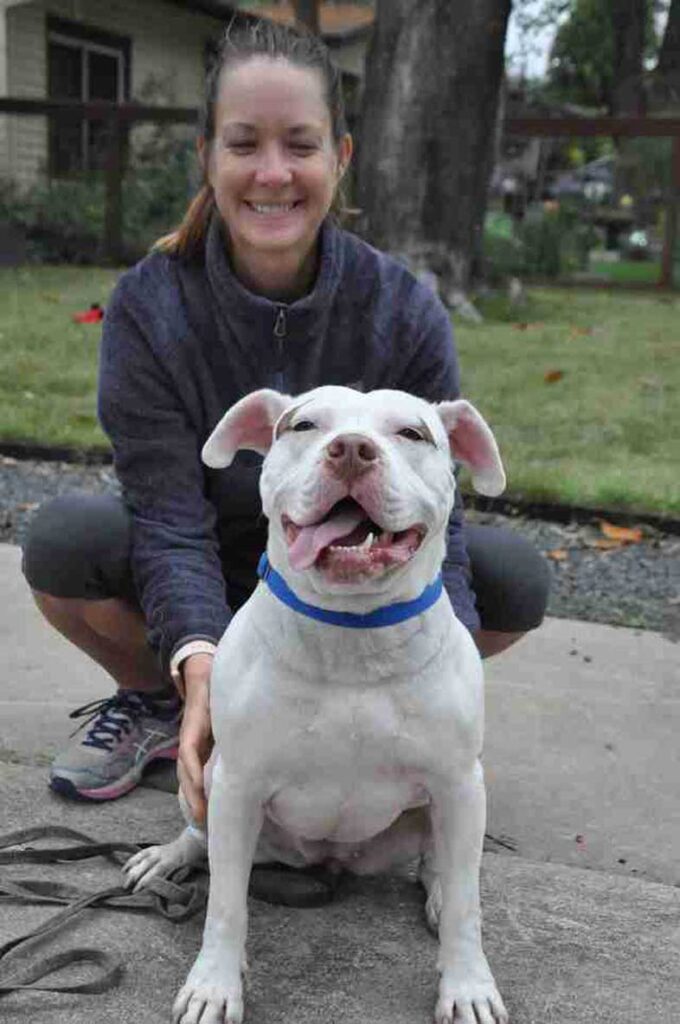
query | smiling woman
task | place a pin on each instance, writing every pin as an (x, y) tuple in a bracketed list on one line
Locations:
[(257, 289)]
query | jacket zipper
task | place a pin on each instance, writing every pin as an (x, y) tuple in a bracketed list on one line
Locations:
[(280, 328)]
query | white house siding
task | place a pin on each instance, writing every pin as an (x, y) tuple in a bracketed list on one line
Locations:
[(167, 45)]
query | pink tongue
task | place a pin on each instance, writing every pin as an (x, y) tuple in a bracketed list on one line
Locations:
[(305, 548)]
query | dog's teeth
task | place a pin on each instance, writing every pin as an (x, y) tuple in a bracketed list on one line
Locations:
[(367, 543)]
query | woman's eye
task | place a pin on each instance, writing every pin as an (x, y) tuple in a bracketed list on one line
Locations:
[(411, 434), (241, 147), (303, 425)]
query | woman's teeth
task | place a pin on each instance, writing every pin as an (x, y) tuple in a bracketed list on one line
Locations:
[(272, 207)]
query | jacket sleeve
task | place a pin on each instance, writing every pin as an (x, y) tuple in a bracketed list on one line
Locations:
[(175, 555), (433, 374)]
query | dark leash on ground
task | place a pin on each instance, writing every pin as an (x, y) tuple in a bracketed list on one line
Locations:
[(176, 898)]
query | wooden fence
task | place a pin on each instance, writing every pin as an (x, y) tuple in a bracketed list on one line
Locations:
[(120, 117)]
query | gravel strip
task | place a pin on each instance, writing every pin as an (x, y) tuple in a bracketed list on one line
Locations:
[(634, 585)]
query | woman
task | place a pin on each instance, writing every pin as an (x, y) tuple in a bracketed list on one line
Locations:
[(258, 287)]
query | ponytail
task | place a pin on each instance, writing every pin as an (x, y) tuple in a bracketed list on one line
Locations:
[(188, 240)]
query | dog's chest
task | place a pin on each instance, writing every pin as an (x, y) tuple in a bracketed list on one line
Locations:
[(338, 765), (351, 767)]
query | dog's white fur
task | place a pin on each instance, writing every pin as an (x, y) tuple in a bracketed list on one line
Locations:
[(355, 747)]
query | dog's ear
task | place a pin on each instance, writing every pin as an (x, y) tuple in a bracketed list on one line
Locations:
[(473, 444), (248, 424)]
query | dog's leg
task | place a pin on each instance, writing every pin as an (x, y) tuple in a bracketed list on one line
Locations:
[(213, 989), (467, 991)]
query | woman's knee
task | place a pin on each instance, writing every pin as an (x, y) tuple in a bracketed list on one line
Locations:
[(78, 546), (510, 578)]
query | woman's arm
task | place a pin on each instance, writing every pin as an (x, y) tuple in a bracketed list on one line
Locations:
[(175, 557)]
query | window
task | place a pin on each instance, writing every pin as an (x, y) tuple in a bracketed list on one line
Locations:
[(83, 64)]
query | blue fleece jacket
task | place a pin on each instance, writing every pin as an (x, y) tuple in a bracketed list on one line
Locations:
[(182, 342)]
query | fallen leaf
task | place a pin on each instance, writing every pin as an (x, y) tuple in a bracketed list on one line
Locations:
[(622, 534), (581, 331), (605, 544), (550, 376), (557, 555)]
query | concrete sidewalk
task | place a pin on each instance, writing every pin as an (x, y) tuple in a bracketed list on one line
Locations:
[(581, 921)]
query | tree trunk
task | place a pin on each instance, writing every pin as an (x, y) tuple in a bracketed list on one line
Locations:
[(629, 20), (307, 13), (427, 135), (667, 73)]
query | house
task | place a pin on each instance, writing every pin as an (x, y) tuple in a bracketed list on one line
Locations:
[(148, 51), (152, 51)]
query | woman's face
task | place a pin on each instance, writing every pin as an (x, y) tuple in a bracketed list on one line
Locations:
[(273, 163)]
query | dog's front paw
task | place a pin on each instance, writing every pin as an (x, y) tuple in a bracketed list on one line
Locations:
[(470, 996), (207, 997), (162, 860)]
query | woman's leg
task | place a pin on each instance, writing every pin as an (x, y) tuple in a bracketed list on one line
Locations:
[(76, 560), (511, 581)]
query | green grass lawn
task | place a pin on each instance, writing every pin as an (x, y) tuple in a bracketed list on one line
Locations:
[(48, 363), (627, 271), (606, 433)]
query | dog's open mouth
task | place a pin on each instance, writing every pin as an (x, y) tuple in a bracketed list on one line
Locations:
[(347, 544)]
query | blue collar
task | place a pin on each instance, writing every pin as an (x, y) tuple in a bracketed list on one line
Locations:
[(390, 615)]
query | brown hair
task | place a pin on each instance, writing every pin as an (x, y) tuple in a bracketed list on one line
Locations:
[(243, 40)]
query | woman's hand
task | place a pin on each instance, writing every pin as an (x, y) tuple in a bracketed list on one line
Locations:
[(195, 738)]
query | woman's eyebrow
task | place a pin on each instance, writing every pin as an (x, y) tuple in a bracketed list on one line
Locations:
[(243, 126), (305, 129)]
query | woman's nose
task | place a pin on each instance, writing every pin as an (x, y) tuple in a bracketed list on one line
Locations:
[(272, 167)]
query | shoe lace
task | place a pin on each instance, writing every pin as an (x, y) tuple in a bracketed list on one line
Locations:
[(111, 718)]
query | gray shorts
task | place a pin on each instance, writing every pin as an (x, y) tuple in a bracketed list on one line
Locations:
[(78, 546)]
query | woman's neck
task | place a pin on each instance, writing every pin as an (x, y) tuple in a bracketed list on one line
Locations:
[(278, 277)]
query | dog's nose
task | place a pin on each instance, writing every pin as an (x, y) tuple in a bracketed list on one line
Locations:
[(350, 455)]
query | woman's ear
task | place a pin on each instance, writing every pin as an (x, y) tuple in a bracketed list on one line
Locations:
[(345, 149)]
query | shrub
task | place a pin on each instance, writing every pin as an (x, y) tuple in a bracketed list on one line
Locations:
[(550, 241), (63, 219)]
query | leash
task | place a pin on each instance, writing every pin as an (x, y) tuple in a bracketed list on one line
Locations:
[(176, 898)]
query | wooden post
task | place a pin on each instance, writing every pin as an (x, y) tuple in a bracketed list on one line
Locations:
[(115, 169), (670, 240), (307, 13)]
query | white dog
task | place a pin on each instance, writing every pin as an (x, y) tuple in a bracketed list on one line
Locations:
[(347, 702)]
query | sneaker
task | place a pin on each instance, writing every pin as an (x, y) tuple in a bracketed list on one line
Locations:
[(124, 733)]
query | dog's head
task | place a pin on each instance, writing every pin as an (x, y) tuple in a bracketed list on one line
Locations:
[(357, 487)]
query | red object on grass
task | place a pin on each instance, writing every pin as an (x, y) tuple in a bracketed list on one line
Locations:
[(93, 315)]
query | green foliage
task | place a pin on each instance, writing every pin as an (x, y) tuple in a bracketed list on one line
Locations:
[(63, 219), (550, 242), (581, 67)]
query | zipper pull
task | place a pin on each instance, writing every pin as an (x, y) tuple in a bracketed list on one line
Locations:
[(280, 324)]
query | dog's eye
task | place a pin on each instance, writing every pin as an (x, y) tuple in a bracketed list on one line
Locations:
[(411, 434), (303, 425)]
